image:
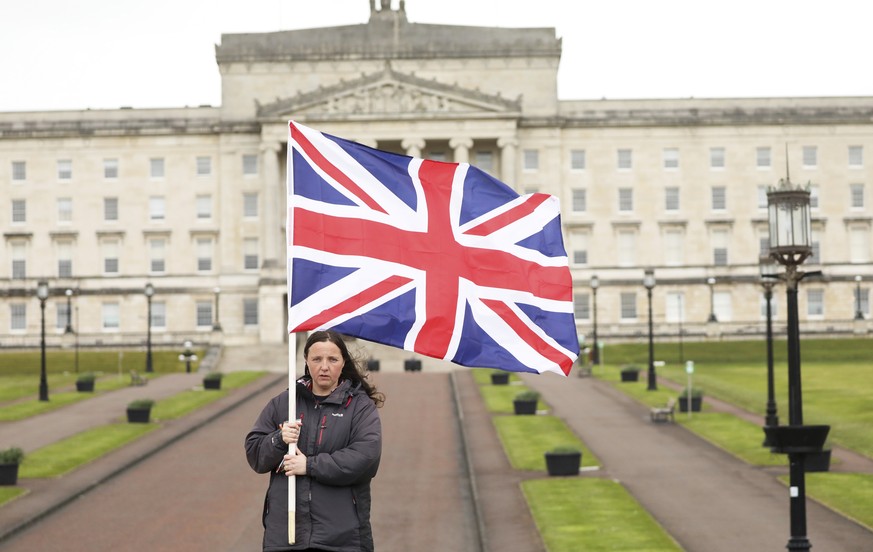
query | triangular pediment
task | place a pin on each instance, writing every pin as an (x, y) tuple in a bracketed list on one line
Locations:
[(389, 93)]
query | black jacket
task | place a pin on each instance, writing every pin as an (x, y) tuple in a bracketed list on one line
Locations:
[(342, 440)]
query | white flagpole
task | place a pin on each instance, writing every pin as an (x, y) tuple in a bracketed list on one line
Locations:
[(292, 415)]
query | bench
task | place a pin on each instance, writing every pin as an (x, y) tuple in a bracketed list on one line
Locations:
[(664, 413), (136, 379)]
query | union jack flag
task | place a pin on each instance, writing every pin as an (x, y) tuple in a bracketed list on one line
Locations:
[(437, 258)]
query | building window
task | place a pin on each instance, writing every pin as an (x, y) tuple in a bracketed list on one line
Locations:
[(65, 169), (110, 250), (204, 254), (627, 248), (61, 315), (531, 160), (110, 208), (250, 164), (17, 316), (19, 171), (580, 200), (65, 259), (578, 248), (764, 245), (716, 158), (204, 314), (865, 301), (671, 198), (762, 158), (762, 197), (19, 261), (157, 256), (774, 307), (204, 207), (19, 210), (723, 308), (674, 307), (156, 167), (719, 198), (814, 191), (815, 303), (856, 157), (810, 157), (625, 199), (625, 159), (250, 253), (628, 306), (859, 244), (815, 243), (65, 209), (110, 315), (720, 247), (577, 160), (204, 166), (857, 192), (250, 204), (437, 156), (671, 158), (250, 311), (159, 315), (582, 306), (674, 247), (485, 160), (157, 208), (110, 169)]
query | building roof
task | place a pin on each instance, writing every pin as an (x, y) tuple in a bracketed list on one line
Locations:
[(387, 36)]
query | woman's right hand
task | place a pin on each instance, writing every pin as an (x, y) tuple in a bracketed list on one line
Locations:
[(291, 431)]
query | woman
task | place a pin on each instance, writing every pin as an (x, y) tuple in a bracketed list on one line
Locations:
[(337, 438)]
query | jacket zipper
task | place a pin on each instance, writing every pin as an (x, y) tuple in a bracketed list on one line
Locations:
[(321, 430)]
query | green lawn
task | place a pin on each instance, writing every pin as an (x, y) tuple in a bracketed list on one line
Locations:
[(848, 493), (526, 439), (8, 493), (32, 405), (593, 515)]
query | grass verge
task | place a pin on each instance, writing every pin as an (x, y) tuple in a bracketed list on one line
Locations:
[(594, 515), (850, 494), (526, 439), (32, 407), (9, 493)]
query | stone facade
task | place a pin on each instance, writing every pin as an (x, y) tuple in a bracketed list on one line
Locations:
[(102, 202)]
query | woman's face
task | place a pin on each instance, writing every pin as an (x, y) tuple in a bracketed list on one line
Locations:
[(325, 362)]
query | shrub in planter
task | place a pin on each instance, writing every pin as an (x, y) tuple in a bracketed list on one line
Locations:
[(372, 365), (85, 382), (499, 378), (9, 461), (139, 411), (630, 373), (696, 399), (526, 402), (563, 461), (212, 380)]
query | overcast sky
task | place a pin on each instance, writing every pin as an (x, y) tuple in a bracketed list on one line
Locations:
[(73, 54)]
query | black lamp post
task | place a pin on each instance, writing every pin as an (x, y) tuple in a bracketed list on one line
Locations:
[(216, 326), (69, 328), (711, 283), (595, 283), (790, 245), (858, 314), (768, 280), (42, 293), (188, 356), (149, 292), (649, 283)]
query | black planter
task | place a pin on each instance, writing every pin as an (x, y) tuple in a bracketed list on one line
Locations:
[(696, 403), (818, 461), (787, 439), (372, 365), (85, 386), (500, 378), (138, 415), (630, 375), (563, 463), (8, 474), (525, 407), (412, 366), (211, 384)]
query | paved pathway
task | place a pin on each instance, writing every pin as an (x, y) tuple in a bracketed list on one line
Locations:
[(708, 500)]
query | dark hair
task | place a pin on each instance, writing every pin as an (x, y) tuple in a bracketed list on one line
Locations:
[(351, 369)]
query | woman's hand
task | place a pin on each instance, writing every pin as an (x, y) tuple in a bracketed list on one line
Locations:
[(295, 464), (291, 432)]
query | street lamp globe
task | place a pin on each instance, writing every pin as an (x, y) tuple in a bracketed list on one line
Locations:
[(789, 220), (42, 290)]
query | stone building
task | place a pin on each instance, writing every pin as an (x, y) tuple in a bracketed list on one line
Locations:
[(191, 200)]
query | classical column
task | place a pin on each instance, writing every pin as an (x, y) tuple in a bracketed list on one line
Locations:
[(413, 146), (462, 149), (507, 160), (270, 229)]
